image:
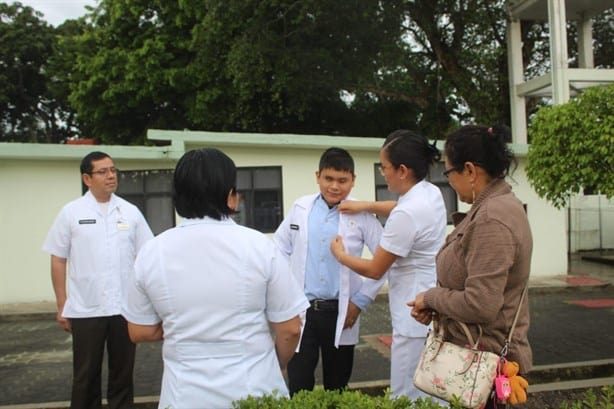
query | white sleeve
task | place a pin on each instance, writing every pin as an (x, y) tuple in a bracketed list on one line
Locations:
[(373, 234), (284, 298), (58, 239), (373, 231), (143, 231), (137, 306), (283, 234), (399, 233)]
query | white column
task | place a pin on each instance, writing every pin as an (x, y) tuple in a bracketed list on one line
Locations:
[(518, 115), (558, 51), (585, 43)]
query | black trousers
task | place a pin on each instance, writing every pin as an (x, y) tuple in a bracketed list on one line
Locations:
[(319, 337), (89, 337)]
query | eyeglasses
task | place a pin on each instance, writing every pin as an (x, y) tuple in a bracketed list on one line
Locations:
[(104, 171), (446, 172)]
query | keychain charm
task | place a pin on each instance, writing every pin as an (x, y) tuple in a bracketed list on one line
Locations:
[(502, 382)]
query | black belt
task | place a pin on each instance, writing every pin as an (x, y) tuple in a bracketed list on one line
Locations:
[(324, 305)]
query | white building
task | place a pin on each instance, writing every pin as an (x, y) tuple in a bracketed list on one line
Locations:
[(36, 180)]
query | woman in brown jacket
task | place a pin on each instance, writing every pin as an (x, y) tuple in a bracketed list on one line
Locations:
[(484, 263)]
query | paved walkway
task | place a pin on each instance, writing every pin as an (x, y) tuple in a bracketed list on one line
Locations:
[(571, 322)]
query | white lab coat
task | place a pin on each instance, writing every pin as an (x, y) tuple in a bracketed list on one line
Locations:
[(356, 230), (100, 250), (214, 285)]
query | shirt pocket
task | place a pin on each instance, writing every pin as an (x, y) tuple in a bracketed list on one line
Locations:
[(126, 238)]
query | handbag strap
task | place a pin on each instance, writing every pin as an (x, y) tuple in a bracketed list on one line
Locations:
[(509, 335), (439, 330), (474, 344)]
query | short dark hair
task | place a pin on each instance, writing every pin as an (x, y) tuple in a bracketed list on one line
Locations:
[(482, 145), (412, 149), (86, 163), (338, 159), (202, 180)]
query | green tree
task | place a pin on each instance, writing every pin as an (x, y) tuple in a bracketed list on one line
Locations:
[(60, 118), (267, 66), (572, 147), (26, 43), (129, 70), (460, 50), (282, 66), (356, 67)]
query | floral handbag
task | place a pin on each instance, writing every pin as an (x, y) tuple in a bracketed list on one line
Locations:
[(447, 370)]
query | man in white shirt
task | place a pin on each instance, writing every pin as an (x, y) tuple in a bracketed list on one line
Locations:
[(98, 237)]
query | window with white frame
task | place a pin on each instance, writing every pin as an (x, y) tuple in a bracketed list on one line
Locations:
[(435, 177), (260, 205)]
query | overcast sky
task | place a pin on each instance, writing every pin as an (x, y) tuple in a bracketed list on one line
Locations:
[(57, 11)]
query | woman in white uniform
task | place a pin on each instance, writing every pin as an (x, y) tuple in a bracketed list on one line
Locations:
[(413, 234), (213, 290)]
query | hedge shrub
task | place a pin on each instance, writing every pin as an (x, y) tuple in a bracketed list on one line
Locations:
[(321, 399)]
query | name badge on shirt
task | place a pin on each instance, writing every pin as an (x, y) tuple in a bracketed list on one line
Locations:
[(123, 226), (294, 227), (87, 221)]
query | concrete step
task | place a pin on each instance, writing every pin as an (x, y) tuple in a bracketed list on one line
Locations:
[(574, 384), (544, 374)]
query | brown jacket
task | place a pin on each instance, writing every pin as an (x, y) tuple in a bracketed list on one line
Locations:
[(482, 270)]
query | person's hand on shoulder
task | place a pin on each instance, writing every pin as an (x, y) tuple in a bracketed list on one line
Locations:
[(352, 206), (382, 208)]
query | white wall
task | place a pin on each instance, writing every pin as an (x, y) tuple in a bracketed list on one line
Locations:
[(547, 225), (33, 192)]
